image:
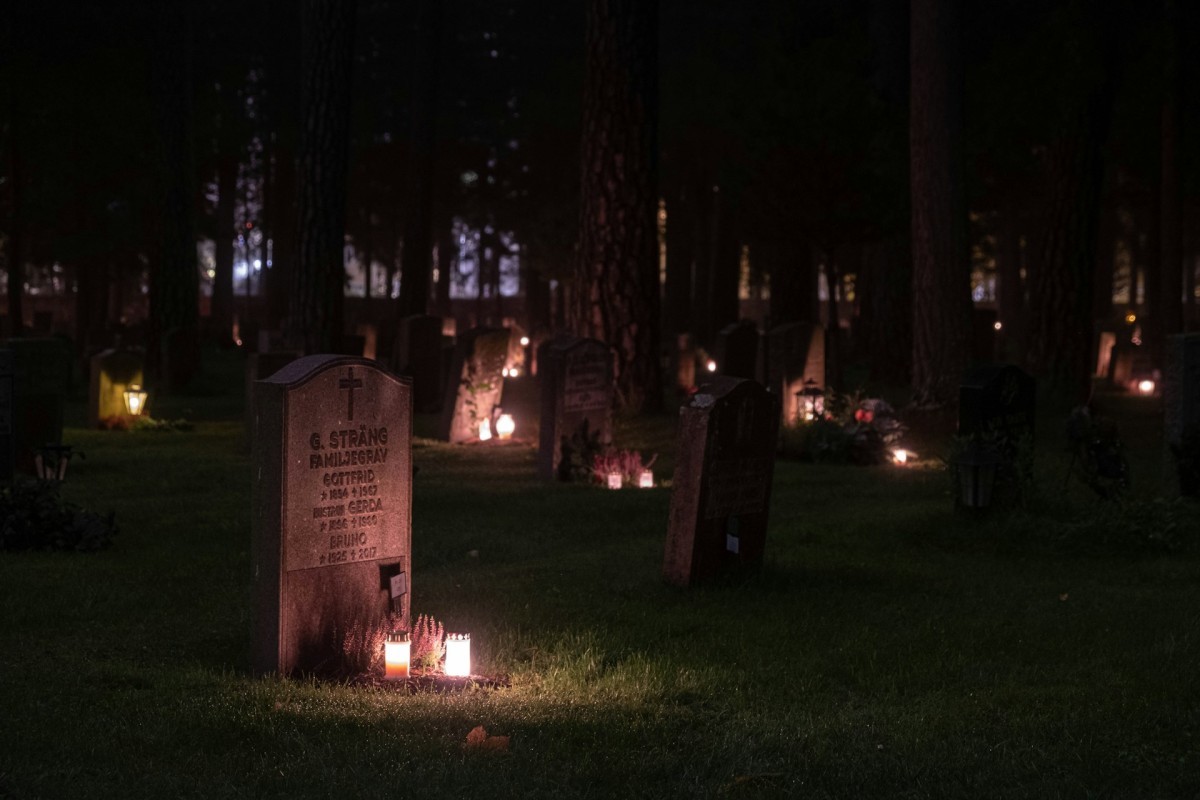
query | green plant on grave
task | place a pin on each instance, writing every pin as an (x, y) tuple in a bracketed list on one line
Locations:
[(33, 516)]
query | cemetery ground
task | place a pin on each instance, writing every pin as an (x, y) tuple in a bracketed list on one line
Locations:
[(888, 647)]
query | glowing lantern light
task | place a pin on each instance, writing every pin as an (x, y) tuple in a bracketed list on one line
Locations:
[(997, 325), (524, 341), (646, 479), (813, 399), (1145, 387), (485, 430), (458, 655), (135, 400), (900, 455), (614, 480), (711, 366), (504, 372), (505, 426), (397, 650), (1131, 318)]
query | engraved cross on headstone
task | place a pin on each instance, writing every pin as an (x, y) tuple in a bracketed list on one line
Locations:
[(350, 382)]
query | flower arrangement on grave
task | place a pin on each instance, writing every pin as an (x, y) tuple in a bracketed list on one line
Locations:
[(851, 429), (363, 644), (428, 644), (625, 463)]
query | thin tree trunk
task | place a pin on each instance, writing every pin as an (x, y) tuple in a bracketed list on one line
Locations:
[(941, 280), (616, 295), (222, 293), (316, 316), (14, 227), (1171, 231), (283, 117)]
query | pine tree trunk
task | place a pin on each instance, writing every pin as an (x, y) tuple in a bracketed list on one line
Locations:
[(616, 294), (316, 316), (13, 226), (418, 228), (173, 347), (283, 120), (941, 280), (222, 292), (1171, 231)]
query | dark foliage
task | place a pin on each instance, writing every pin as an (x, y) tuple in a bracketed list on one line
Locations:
[(35, 517)]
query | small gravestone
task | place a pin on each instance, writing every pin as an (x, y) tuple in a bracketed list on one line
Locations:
[(369, 333), (1181, 410), (795, 358), (576, 377), (111, 372), (736, 352), (262, 365), (6, 415), (722, 484), (332, 501), (997, 400), (475, 382), (418, 353), (41, 374)]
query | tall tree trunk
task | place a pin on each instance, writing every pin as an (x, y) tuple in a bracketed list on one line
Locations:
[(794, 285), (316, 314), (418, 225), (616, 296), (173, 347), (889, 335), (1171, 230), (1010, 297), (725, 272), (941, 280), (1062, 293), (222, 293), (681, 257), (282, 31), (13, 226)]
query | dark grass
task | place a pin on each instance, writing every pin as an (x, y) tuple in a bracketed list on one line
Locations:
[(888, 648)]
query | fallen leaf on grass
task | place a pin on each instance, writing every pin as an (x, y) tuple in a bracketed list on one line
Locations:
[(478, 739)]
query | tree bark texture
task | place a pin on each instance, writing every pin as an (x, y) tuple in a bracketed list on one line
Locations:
[(615, 297), (889, 331), (1171, 227), (316, 311), (283, 119), (173, 348), (222, 292), (13, 226), (1060, 345), (941, 277), (417, 256)]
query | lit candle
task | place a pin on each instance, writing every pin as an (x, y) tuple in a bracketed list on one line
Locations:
[(1146, 387), (396, 651), (900, 455), (505, 426), (135, 400), (485, 430), (711, 365), (524, 341), (458, 655), (646, 479), (614, 480)]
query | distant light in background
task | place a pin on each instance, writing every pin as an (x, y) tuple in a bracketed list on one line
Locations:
[(997, 325), (1145, 387), (711, 366)]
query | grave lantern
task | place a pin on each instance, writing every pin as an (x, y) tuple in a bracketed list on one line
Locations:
[(900, 456), (50, 462), (614, 480), (812, 400), (1145, 387), (485, 430), (977, 475), (135, 400), (711, 366), (646, 479), (396, 653), (505, 426), (458, 655)]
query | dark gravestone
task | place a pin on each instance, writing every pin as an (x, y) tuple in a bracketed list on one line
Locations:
[(418, 353), (576, 377), (41, 370), (795, 354), (736, 352), (1181, 408), (475, 383), (259, 366), (332, 501), (722, 485), (6, 415), (110, 373), (997, 400)]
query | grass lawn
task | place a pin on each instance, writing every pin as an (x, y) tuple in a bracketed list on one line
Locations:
[(888, 648)]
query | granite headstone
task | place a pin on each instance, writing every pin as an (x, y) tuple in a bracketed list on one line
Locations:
[(475, 383), (576, 376), (722, 484), (332, 500), (262, 365), (110, 373), (736, 352)]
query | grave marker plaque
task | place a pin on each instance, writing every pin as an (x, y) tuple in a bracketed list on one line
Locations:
[(795, 354), (475, 383), (722, 484), (41, 373), (111, 372), (332, 508), (998, 399), (736, 352), (576, 404)]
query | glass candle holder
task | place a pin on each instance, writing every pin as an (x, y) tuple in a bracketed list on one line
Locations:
[(397, 650), (458, 655)]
